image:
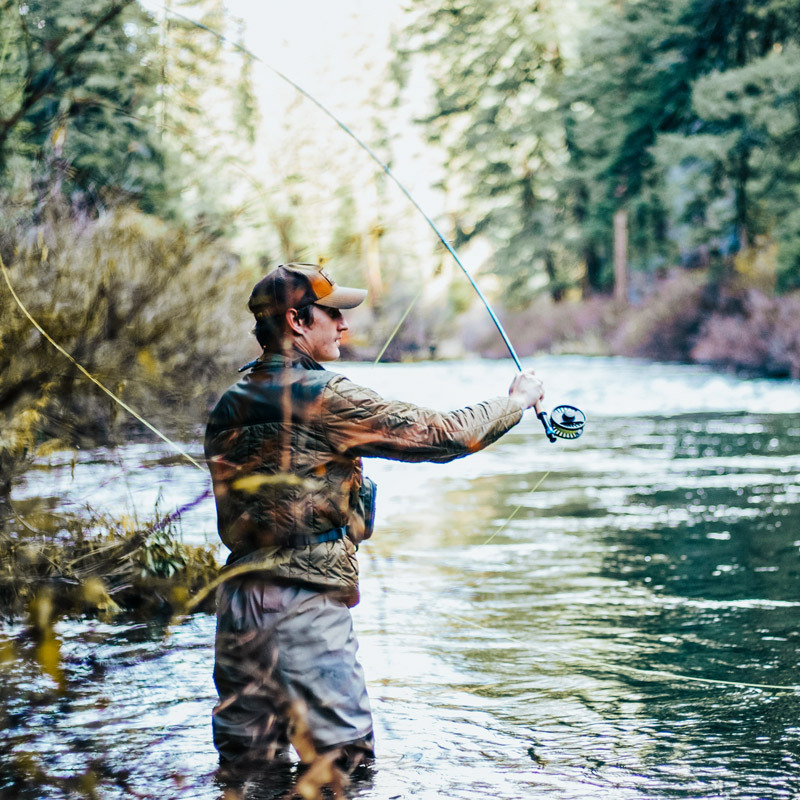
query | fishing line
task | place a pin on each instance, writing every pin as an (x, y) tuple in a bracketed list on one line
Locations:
[(254, 185), (501, 330), (514, 512), (568, 423), (570, 428), (658, 673), (398, 326)]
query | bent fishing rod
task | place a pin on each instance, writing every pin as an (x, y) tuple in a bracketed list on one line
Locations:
[(566, 421)]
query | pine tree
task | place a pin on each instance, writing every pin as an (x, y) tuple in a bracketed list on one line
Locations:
[(645, 89), (78, 90), (497, 69), (739, 178), (207, 116)]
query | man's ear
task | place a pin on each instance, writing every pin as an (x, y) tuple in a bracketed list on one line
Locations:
[(291, 320)]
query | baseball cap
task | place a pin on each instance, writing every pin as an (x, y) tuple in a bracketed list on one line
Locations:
[(296, 285)]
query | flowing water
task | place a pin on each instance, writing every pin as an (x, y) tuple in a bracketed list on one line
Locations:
[(624, 635)]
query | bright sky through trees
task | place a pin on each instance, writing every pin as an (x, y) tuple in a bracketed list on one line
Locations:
[(339, 53)]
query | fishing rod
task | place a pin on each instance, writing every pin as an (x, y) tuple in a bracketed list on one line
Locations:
[(566, 421)]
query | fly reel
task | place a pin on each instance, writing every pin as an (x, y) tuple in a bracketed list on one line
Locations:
[(565, 422)]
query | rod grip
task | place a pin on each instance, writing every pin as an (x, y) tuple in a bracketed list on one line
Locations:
[(542, 414)]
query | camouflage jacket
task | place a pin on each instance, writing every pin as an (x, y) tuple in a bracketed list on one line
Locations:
[(284, 448)]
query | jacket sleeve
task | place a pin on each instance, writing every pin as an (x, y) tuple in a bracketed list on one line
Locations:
[(359, 422)]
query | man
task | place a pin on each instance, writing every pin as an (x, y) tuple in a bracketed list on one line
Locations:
[(284, 446)]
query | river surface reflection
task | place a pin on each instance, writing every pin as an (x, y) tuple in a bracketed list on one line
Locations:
[(567, 652)]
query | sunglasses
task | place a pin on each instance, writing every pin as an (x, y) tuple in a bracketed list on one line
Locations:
[(333, 313)]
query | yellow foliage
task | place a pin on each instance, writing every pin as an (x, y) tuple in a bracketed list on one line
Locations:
[(51, 446), (8, 654), (179, 596), (757, 264), (136, 298), (40, 613), (147, 362), (59, 136), (252, 483), (89, 782), (95, 595), (48, 654), (301, 734), (321, 773), (19, 433), (128, 524)]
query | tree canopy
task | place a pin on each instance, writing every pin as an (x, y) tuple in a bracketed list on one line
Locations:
[(553, 117), (79, 84)]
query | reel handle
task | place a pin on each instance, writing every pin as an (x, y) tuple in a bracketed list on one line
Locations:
[(542, 414)]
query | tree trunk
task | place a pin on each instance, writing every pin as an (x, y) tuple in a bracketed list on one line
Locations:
[(556, 290), (742, 209), (593, 279), (621, 256)]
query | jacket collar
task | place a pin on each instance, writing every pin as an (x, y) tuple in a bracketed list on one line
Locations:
[(294, 359)]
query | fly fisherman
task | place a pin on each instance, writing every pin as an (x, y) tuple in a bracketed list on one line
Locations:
[(284, 447)]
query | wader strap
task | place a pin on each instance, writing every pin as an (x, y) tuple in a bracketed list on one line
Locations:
[(304, 540), (300, 540)]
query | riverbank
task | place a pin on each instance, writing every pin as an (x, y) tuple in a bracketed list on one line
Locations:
[(689, 317)]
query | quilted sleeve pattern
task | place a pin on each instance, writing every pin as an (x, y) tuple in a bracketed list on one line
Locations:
[(359, 422)]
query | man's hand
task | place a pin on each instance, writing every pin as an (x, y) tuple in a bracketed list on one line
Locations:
[(526, 389)]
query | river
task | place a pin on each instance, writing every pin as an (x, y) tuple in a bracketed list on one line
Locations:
[(625, 634)]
